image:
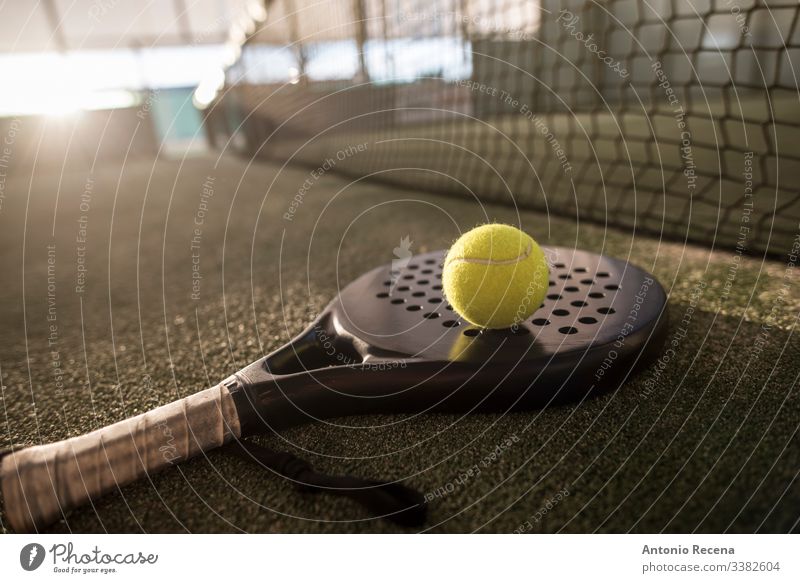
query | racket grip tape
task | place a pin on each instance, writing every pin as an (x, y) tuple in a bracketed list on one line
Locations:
[(41, 483)]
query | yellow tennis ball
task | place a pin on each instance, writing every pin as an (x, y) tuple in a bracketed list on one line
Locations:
[(495, 276)]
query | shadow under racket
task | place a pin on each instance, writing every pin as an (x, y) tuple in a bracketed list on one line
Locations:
[(389, 343)]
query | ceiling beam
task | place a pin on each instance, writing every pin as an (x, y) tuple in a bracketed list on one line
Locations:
[(184, 24), (54, 20)]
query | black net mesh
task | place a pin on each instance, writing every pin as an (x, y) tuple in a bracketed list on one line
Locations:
[(673, 117)]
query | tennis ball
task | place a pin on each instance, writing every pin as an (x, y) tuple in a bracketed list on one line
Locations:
[(495, 276)]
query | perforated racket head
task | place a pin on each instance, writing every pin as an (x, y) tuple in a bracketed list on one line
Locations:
[(390, 342), (591, 300)]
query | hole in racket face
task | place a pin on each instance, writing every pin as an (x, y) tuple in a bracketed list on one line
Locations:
[(588, 299)]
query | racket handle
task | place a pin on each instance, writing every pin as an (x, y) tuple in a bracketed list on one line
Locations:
[(41, 483)]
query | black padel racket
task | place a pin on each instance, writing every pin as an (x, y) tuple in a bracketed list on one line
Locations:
[(389, 343)]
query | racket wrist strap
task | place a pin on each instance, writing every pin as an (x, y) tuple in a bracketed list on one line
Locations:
[(389, 500)]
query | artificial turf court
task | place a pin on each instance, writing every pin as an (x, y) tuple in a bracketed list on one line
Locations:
[(706, 442)]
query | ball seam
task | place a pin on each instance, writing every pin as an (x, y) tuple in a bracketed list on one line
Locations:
[(521, 257)]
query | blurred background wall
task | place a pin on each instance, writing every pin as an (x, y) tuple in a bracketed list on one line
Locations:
[(508, 101)]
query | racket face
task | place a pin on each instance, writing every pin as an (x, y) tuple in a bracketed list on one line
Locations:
[(389, 343), (591, 300)]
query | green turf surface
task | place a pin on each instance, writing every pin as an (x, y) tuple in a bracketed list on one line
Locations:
[(709, 444)]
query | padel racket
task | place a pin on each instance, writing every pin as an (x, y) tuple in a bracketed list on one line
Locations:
[(389, 343)]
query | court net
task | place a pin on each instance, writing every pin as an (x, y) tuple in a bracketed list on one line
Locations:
[(674, 117)]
